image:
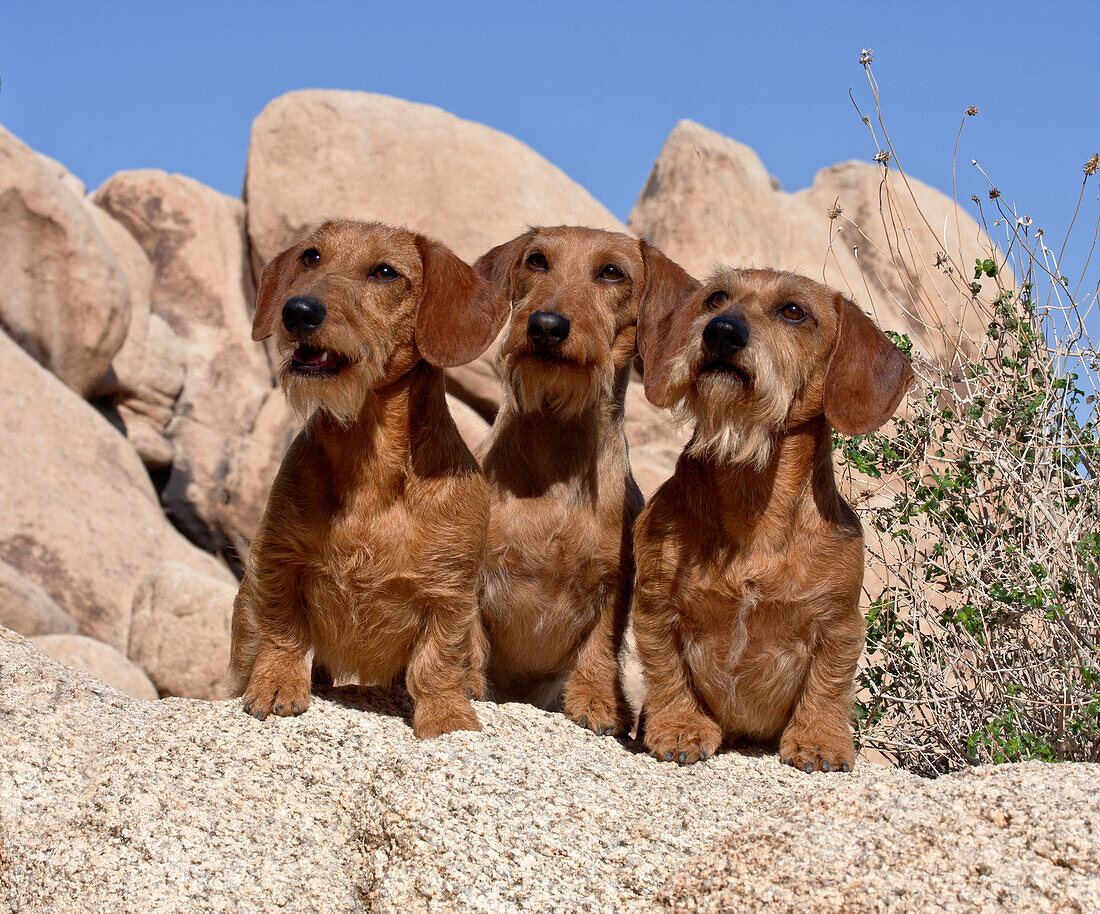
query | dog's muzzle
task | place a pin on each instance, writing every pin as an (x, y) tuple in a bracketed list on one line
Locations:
[(302, 316)]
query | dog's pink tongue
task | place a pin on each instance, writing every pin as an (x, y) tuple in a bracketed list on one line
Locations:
[(306, 356)]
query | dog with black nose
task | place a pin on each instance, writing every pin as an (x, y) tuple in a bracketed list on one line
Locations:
[(559, 567), (367, 556), (749, 561)]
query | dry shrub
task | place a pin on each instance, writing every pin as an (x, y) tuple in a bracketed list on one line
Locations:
[(984, 512)]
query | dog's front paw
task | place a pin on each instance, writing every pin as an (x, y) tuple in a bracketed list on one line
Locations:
[(594, 709), (683, 737), (267, 694), (432, 718), (822, 750)]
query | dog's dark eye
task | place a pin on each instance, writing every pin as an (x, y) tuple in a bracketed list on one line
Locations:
[(537, 261), (792, 312), (384, 273), (717, 299), (611, 273), (311, 257)]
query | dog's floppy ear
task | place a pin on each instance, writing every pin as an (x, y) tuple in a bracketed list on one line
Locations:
[(867, 375), (498, 264), (663, 322), (273, 282), (459, 314)]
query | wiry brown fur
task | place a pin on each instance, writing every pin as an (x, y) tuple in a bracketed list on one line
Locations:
[(559, 565), (367, 555), (749, 562)]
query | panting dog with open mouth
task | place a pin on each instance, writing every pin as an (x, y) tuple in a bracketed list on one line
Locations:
[(367, 556)]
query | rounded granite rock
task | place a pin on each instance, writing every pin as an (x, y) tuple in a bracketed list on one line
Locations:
[(183, 805)]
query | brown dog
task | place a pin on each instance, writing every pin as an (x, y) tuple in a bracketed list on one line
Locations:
[(749, 563), (558, 569), (368, 551)]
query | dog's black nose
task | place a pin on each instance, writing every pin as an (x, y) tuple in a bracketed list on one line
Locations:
[(546, 329), (302, 314), (723, 336)]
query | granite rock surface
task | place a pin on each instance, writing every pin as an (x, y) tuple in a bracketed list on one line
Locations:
[(180, 805)]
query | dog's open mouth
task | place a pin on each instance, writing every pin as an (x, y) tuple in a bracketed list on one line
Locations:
[(316, 362)]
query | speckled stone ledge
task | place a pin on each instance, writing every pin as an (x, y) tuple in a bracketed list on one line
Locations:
[(112, 804)]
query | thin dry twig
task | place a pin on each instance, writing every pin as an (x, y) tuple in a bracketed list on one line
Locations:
[(984, 499)]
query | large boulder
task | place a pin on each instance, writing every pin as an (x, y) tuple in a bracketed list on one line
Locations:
[(709, 200), (1014, 838), (100, 661), (64, 296), (179, 632), (320, 154), (143, 409), (26, 608), (181, 805), (251, 464), (124, 373), (139, 391), (901, 230), (202, 289), (78, 514)]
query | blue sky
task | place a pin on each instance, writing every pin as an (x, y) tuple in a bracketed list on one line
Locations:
[(595, 87)]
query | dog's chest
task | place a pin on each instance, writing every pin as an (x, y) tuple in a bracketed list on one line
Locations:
[(545, 541), (365, 555), (542, 583), (749, 652), (751, 606)]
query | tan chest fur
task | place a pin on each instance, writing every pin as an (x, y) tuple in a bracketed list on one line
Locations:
[(373, 562), (542, 581), (363, 585), (748, 634), (559, 532)]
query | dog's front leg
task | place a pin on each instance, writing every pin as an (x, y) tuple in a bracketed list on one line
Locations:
[(438, 674), (819, 734), (593, 694), (478, 660), (677, 726), (270, 647)]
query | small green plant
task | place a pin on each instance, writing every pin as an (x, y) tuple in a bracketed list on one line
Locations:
[(982, 505)]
